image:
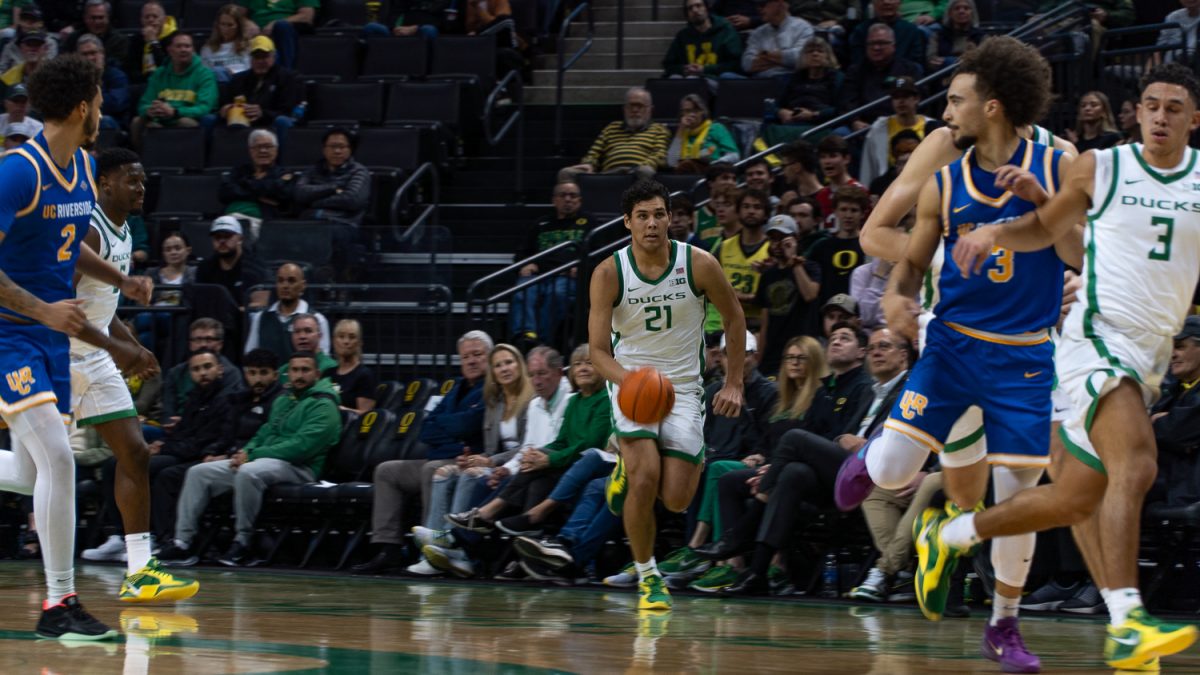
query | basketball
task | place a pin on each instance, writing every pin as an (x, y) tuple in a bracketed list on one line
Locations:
[(646, 397)]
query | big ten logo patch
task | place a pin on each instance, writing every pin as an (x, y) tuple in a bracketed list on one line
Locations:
[(447, 386), (411, 391), (20, 381), (405, 423), (367, 422), (912, 405)]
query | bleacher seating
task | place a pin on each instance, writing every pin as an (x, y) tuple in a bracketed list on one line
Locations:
[(229, 148), (358, 102), (327, 58), (174, 149), (395, 58), (188, 196), (304, 241), (666, 94)]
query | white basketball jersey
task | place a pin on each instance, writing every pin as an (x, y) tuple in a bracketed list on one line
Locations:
[(929, 292), (1142, 243), (100, 299), (1043, 136), (660, 322)]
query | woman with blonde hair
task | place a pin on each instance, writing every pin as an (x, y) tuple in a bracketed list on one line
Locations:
[(1095, 127), (227, 51), (354, 380), (810, 96)]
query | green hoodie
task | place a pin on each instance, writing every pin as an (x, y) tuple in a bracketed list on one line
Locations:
[(719, 49), (301, 428), (587, 423), (193, 93)]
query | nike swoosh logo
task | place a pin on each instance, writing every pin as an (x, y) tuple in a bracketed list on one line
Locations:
[(1033, 374), (1131, 182), (960, 208), (999, 650), (1059, 410), (1131, 641), (47, 186), (633, 290)]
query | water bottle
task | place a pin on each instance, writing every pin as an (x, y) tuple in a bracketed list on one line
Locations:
[(298, 111), (829, 577), (770, 109)]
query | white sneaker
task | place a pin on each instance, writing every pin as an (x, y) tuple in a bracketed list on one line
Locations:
[(873, 588), (626, 578), (423, 568), (452, 560), (426, 536), (112, 550)]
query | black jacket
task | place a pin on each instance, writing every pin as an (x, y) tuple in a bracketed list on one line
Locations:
[(318, 190), (278, 92), (737, 437), (205, 426), (242, 186), (840, 404), (1178, 437), (250, 413)]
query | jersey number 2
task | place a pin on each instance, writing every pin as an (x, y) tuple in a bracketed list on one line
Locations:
[(655, 315), (1162, 250), (64, 252)]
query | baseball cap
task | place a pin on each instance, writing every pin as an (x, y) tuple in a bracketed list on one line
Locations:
[(225, 224), (751, 343), (842, 301), (262, 43), (1191, 328), (33, 36), (782, 223), (16, 91), (23, 128), (905, 85)]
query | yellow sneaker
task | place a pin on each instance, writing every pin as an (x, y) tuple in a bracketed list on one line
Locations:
[(1143, 638), (615, 488), (653, 594), (936, 562), (152, 582)]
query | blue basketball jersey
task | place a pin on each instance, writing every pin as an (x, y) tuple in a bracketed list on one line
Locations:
[(1015, 292), (45, 212)]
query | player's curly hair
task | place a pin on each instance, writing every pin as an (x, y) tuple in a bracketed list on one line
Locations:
[(115, 158), (58, 85), (1173, 73), (644, 191), (1014, 74)]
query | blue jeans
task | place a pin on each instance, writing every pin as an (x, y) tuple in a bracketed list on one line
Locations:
[(541, 307), (283, 34), (453, 494), (590, 524), (591, 464)]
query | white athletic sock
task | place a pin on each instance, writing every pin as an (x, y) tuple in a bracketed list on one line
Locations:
[(58, 586), (646, 569), (960, 532), (1121, 601), (1003, 607), (1104, 593), (137, 551)]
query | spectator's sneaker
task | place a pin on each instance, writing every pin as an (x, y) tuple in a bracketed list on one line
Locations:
[(1143, 638), (616, 487), (716, 578), (512, 572), (68, 620), (1002, 643), (1085, 600), (519, 525), (684, 561), (902, 588), (780, 582), (1048, 598), (112, 550), (237, 555), (453, 560), (425, 536), (872, 587), (471, 521), (175, 556), (152, 582), (853, 484), (626, 578), (422, 568), (549, 551), (653, 594), (936, 561)]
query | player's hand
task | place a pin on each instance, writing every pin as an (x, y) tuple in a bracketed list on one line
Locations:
[(728, 401), (65, 316), (1072, 282), (147, 366), (901, 313), (128, 357), (138, 288), (973, 249), (1021, 183)]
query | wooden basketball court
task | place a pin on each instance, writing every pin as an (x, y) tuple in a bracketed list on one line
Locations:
[(252, 621)]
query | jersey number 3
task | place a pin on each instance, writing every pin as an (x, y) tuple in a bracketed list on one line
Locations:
[(1162, 250), (64, 252), (1003, 271)]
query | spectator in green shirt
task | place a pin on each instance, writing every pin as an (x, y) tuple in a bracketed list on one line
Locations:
[(283, 20)]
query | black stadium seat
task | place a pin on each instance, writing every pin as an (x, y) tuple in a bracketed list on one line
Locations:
[(351, 102), (743, 99), (602, 192), (391, 57), (666, 93), (230, 147), (200, 15), (466, 56), (389, 148), (343, 12), (308, 241), (413, 396), (303, 147), (331, 58), (173, 148), (425, 102), (189, 195)]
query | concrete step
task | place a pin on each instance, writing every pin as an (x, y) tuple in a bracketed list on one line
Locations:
[(587, 78), (544, 94), (655, 46), (639, 13), (644, 29), (594, 60)]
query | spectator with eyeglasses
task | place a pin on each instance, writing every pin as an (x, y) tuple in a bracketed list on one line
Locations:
[(202, 333), (259, 188), (338, 190), (265, 95)]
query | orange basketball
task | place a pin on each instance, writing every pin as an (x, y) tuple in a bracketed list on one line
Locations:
[(646, 397)]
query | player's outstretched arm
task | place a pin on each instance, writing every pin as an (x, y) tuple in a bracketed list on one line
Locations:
[(603, 293), (899, 305), (880, 238), (1037, 229), (711, 281)]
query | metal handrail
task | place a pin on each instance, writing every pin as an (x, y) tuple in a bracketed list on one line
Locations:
[(557, 248), (517, 118), (564, 63), (620, 34), (478, 307), (429, 214)]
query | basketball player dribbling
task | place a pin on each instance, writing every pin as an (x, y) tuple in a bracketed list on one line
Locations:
[(647, 309)]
